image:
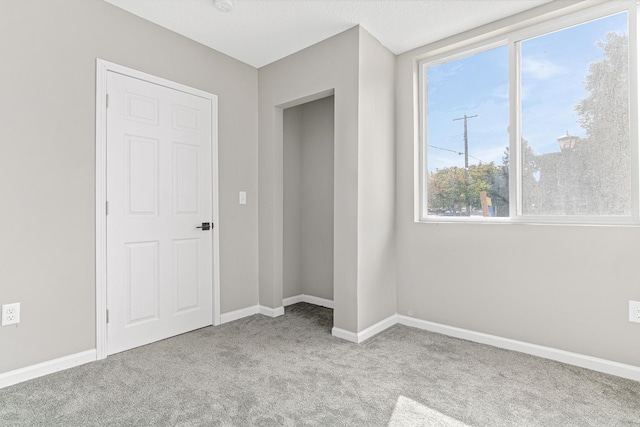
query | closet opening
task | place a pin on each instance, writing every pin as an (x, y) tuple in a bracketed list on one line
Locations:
[(308, 214)]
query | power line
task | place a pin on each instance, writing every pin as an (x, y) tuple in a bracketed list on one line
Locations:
[(459, 153), (446, 149), (480, 160)]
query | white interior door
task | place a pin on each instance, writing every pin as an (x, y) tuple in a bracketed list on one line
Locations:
[(159, 190)]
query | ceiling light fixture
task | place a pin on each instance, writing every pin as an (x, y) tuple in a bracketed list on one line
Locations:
[(223, 5)]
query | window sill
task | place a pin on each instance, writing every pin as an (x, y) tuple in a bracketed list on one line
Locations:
[(530, 220)]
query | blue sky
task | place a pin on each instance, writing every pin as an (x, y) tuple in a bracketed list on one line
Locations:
[(554, 67)]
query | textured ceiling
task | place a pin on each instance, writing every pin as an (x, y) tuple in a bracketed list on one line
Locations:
[(259, 32)]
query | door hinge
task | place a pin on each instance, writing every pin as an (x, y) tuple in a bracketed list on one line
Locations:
[(107, 100), (107, 208), (107, 316)]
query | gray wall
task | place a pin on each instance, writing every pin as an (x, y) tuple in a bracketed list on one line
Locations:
[(376, 183), (47, 144), (558, 286), (308, 199), (292, 199)]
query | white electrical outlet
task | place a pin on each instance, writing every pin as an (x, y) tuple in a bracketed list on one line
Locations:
[(243, 198), (634, 311), (10, 314)]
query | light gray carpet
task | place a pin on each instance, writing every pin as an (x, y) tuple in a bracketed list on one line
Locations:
[(290, 371)]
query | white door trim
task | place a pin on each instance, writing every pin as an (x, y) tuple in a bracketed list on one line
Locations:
[(102, 67)]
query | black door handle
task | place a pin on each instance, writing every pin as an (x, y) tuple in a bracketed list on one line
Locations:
[(205, 226)]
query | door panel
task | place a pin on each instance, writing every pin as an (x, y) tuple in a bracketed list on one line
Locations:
[(185, 172), (142, 282), (185, 268), (159, 189), (142, 176)]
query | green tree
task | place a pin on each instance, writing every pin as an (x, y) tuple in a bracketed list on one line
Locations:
[(529, 169), (603, 157), (447, 189), (451, 189), (593, 178)]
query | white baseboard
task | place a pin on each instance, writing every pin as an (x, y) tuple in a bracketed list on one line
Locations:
[(286, 302), (250, 311), (367, 333), (377, 328), (323, 302), (271, 312), (344, 334), (239, 314), (576, 359), (45, 368)]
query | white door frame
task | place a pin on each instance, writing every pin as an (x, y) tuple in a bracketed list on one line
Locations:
[(102, 67)]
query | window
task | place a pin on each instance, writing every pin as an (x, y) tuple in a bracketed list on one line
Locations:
[(467, 120), (568, 155)]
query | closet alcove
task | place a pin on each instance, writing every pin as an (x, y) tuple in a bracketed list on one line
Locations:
[(308, 214)]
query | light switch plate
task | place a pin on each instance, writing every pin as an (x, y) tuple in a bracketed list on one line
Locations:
[(243, 197)]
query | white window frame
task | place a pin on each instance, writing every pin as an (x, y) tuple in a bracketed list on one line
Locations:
[(513, 40)]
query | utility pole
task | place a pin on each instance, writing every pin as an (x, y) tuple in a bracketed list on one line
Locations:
[(466, 156)]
